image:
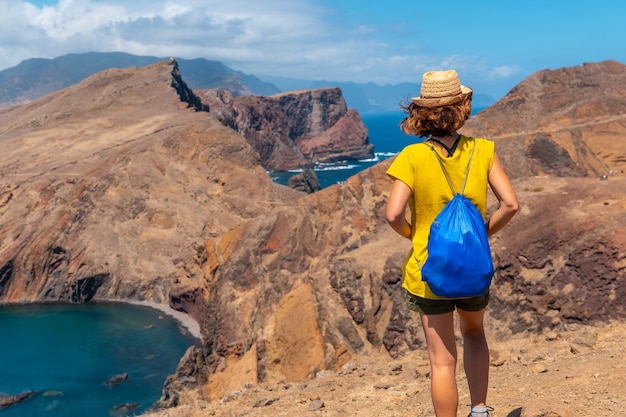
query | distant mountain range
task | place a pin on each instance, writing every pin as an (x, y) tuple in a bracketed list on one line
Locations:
[(37, 77)]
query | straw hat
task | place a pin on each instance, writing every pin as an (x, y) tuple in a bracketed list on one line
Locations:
[(441, 88)]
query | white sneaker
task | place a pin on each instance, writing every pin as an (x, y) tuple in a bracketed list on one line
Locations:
[(480, 411)]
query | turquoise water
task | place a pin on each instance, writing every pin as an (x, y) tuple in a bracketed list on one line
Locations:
[(384, 134), (67, 352)]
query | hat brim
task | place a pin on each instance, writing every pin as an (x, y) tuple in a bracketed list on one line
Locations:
[(442, 101)]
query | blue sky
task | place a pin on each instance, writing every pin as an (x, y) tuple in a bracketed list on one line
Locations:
[(492, 44)]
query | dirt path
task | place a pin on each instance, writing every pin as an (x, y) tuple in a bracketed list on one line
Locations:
[(580, 372)]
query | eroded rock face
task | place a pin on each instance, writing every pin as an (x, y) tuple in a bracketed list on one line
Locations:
[(563, 259), (335, 247), (559, 261), (567, 122), (117, 189), (295, 129), (108, 189), (320, 277)]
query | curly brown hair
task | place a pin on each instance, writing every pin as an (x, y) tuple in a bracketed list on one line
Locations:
[(436, 121)]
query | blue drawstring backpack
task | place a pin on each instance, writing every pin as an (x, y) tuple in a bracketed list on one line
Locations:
[(459, 263)]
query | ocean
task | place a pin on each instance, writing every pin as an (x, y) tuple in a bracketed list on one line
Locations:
[(68, 352), (387, 138)]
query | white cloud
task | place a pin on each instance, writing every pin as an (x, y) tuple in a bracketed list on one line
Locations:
[(505, 71), (290, 38)]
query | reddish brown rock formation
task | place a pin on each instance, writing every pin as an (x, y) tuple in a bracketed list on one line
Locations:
[(108, 187), (560, 261), (563, 259), (566, 122), (296, 129), (306, 181), (117, 189), (551, 270)]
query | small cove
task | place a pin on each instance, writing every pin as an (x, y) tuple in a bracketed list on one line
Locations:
[(67, 353), (388, 140)]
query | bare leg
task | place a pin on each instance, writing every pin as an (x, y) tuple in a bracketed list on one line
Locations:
[(439, 331), (475, 354)]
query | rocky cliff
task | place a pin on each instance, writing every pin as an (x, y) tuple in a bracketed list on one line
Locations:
[(327, 331), (322, 288), (566, 122), (296, 129), (561, 261), (34, 78), (109, 188), (123, 187)]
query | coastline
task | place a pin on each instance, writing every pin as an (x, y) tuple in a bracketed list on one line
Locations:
[(188, 323), (184, 319)]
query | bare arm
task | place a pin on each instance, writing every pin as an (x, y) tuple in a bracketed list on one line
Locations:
[(502, 188), (396, 207)]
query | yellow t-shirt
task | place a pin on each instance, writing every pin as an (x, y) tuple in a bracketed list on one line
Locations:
[(417, 167)]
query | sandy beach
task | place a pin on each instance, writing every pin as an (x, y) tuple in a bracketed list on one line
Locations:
[(187, 322)]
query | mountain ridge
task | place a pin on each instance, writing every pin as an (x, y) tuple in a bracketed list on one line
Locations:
[(565, 122), (36, 77)]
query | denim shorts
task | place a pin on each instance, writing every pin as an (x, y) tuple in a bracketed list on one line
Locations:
[(432, 307)]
